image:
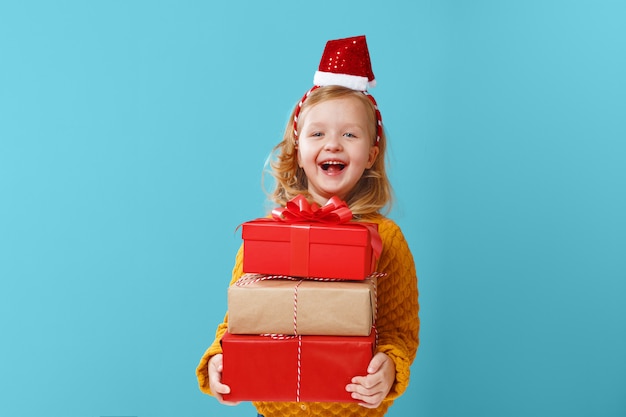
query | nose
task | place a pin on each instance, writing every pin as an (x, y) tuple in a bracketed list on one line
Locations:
[(333, 143)]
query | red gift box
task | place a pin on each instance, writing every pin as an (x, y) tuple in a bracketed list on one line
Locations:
[(309, 249), (287, 369)]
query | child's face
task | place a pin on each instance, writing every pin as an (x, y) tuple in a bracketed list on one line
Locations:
[(335, 146)]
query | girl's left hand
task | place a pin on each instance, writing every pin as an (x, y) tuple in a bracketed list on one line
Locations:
[(372, 389)]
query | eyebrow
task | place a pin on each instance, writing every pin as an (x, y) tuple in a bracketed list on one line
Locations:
[(352, 126)]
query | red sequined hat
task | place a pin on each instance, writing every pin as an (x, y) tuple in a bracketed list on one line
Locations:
[(346, 62)]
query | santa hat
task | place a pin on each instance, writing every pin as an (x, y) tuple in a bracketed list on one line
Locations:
[(345, 62)]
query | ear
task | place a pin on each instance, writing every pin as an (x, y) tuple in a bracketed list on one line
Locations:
[(374, 150)]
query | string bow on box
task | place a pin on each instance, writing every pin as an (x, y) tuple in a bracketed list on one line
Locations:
[(298, 209)]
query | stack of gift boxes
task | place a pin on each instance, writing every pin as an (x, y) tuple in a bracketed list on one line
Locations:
[(292, 337)]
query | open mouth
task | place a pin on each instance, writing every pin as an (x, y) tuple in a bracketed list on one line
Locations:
[(332, 166)]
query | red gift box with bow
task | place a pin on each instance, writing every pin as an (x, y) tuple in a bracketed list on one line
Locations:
[(303, 240), (296, 368)]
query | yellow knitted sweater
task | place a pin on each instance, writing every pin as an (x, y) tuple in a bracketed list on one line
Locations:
[(397, 324)]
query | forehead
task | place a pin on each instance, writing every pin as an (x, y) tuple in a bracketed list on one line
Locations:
[(348, 108)]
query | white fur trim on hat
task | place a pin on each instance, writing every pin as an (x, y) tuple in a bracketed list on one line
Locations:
[(354, 82)]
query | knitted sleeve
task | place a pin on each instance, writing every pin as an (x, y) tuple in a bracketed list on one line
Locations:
[(215, 348), (398, 322)]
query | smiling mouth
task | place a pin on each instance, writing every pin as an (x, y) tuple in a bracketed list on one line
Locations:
[(332, 166)]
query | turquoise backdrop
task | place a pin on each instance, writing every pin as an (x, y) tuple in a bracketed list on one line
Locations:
[(133, 136)]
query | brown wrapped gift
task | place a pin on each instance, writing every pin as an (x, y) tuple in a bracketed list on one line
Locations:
[(257, 305)]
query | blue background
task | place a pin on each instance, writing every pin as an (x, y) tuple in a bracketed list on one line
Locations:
[(133, 136)]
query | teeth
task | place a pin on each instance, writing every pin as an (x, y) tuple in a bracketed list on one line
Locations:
[(327, 164)]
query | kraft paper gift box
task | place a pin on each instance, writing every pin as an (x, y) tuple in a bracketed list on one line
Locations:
[(304, 368), (309, 249), (305, 307)]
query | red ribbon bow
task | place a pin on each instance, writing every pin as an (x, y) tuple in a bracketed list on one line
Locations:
[(335, 211), (298, 209)]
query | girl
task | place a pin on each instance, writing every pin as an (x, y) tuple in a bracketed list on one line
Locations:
[(334, 145)]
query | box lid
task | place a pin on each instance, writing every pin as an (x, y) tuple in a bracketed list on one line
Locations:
[(352, 233)]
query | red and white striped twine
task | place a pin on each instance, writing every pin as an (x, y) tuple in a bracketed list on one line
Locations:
[(247, 279), (299, 359), (295, 308), (251, 278), (299, 368)]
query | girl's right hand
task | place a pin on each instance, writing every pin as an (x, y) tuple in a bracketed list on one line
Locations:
[(215, 380)]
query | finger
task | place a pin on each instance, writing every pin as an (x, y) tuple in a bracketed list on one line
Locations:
[(221, 399), (366, 405), (364, 391), (367, 401), (368, 382), (220, 391), (216, 363), (376, 363)]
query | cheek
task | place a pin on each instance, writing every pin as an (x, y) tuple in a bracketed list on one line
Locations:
[(305, 155), (299, 158)]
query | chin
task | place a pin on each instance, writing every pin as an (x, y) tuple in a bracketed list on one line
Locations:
[(333, 194)]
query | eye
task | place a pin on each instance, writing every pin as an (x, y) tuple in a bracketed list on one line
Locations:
[(317, 134), (349, 135)]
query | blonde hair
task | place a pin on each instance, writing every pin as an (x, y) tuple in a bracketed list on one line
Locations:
[(373, 191)]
